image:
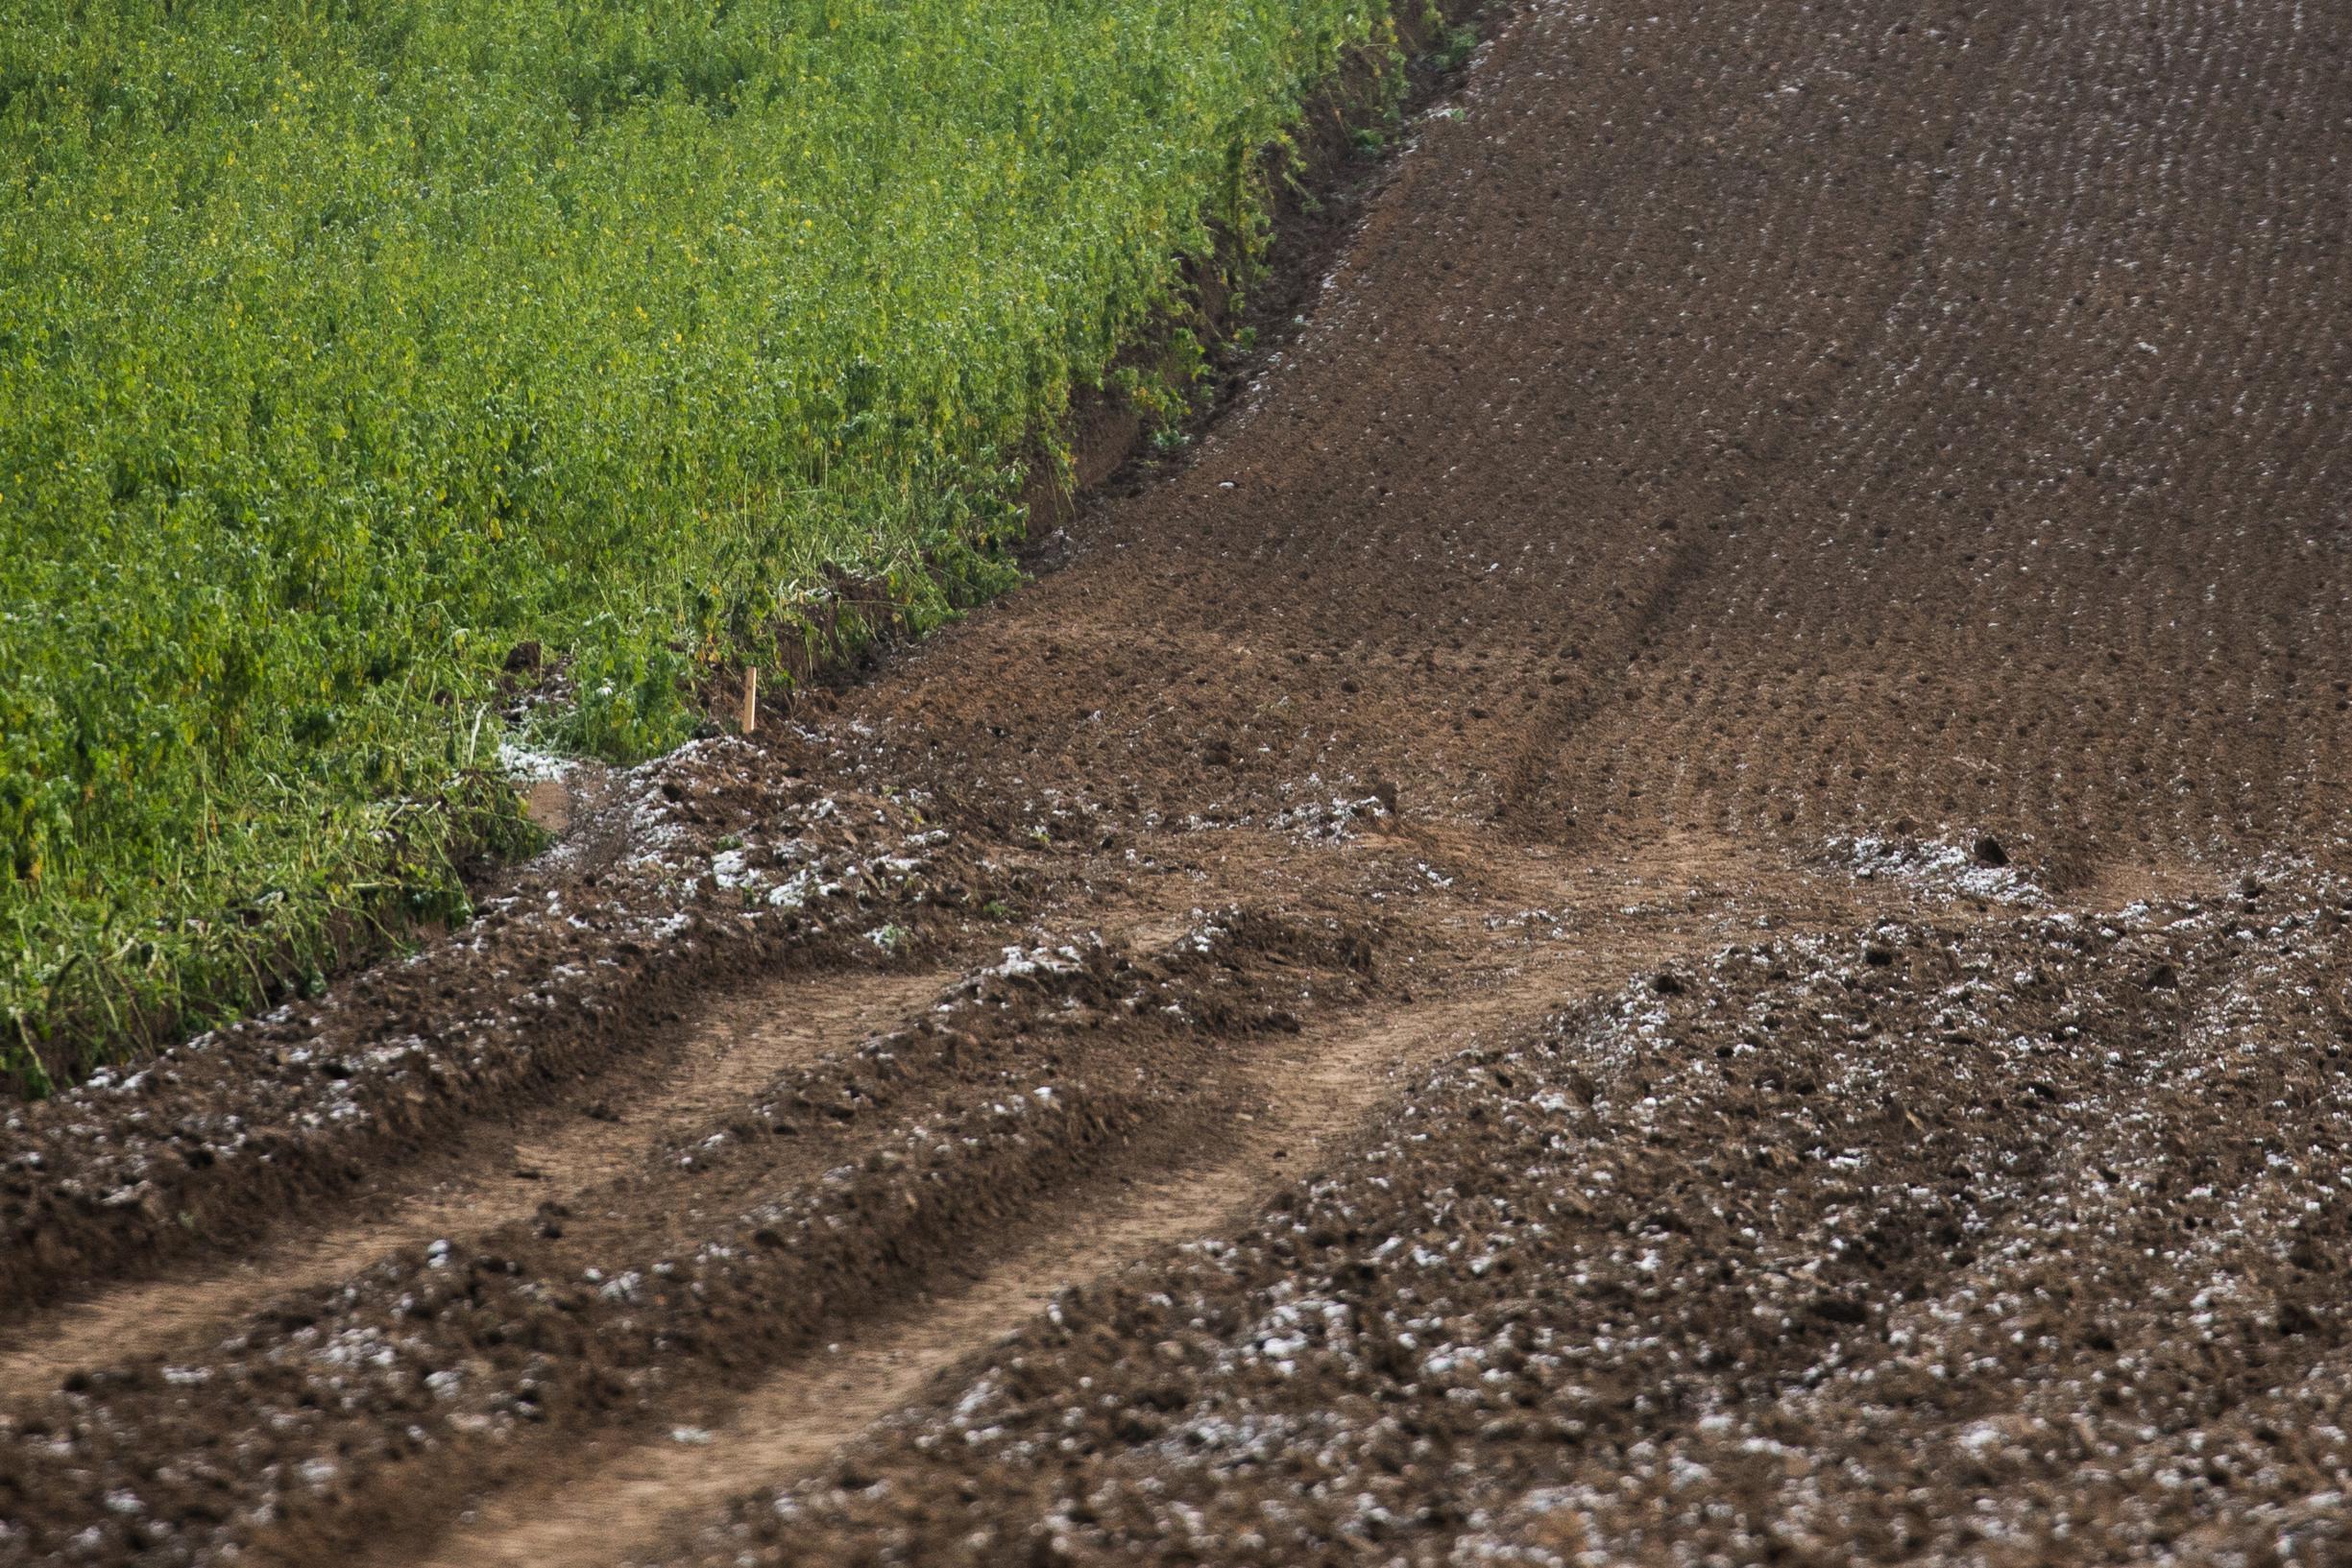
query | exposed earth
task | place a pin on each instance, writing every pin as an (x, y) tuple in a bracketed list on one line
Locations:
[(1685, 897)]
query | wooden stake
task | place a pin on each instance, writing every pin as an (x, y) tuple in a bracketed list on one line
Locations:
[(751, 698)]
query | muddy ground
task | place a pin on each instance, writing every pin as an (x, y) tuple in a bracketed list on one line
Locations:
[(1686, 897)]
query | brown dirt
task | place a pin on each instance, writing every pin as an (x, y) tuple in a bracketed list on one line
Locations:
[(1303, 1100), (794, 1418), (495, 1175), (1687, 897)]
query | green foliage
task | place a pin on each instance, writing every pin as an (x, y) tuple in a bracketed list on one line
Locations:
[(1454, 43), (344, 346)]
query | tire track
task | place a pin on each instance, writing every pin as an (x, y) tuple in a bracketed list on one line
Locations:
[(732, 866), (795, 1418), (623, 1498), (738, 1043), (859, 1178)]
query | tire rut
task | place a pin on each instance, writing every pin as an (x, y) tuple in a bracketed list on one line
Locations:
[(1312, 1100), (805, 1411), (798, 1417), (733, 1048)]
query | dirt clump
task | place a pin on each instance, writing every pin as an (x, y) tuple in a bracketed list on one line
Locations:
[(1701, 1269)]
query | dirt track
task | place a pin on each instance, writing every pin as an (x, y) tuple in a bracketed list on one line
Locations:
[(1687, 897)]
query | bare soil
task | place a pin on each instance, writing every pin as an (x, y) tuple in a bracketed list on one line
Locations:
[(1685, 897)]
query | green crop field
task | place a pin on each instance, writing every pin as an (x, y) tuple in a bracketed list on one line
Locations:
[(344, 346)]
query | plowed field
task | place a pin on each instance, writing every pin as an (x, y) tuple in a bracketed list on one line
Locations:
[(1685, 897)]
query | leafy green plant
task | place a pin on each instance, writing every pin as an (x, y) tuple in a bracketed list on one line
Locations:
[(344, 349), (1454, 44)]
